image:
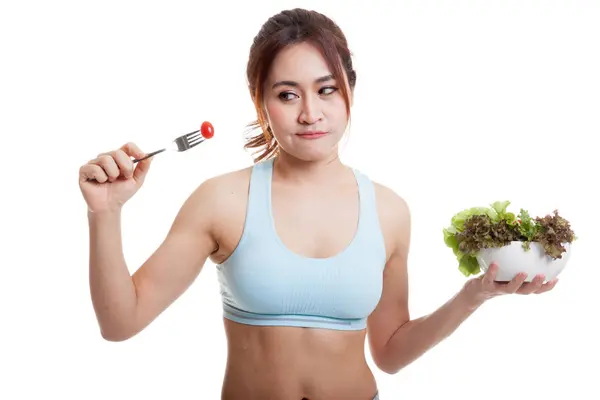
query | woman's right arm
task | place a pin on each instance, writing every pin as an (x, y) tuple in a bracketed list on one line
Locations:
[(124, 303)]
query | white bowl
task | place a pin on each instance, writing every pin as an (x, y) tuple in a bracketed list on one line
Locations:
[(513, 259)]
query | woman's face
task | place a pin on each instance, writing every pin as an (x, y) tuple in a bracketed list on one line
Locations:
[(300, 97)]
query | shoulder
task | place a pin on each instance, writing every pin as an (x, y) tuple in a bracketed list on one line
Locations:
[(221, 189), (391, 202), (214, 205), (395, 218), (225, 183)]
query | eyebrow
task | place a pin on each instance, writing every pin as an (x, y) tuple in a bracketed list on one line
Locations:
[(292, 83)]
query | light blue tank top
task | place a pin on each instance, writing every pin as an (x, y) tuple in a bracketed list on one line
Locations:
[(265, 283)]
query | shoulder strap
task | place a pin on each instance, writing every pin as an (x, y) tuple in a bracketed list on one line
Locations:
[(259, 194), (369, 222)]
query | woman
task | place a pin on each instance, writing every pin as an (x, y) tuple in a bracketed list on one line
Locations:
[(310, 253)]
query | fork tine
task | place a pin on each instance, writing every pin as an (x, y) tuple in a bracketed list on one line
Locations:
[(189, 140), (193, 138), (196, 141), (188, 135)]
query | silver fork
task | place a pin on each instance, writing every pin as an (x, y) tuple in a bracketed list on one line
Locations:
[(183, 143)]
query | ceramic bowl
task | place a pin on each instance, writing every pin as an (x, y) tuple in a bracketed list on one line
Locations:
[(513, 259)]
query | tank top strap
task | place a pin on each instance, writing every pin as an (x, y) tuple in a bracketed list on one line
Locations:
[(369, 217), (258, 214), (259, 195)]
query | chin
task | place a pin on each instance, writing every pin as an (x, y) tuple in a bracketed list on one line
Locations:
[(316, 153), (311, 150)]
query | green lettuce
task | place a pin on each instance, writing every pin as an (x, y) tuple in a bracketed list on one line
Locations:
[(467, 262), (479, 228)]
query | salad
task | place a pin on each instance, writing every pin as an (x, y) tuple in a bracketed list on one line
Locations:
[(479, 228)]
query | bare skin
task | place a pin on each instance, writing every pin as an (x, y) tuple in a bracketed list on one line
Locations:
[(315, 208), (263, 362), (288, 362)]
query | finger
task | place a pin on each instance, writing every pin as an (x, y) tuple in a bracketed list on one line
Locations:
[(531, 287), (141, 169), (124, 163), (92, 172), (516, 283), (132, 150), (109, 166), (490, 275), (547, 286)]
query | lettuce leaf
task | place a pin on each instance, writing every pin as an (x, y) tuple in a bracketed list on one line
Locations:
[(502, 214), (553, 231), (527, 228), (467, 263), (477, 228)]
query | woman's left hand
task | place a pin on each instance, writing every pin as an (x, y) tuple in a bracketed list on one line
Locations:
[(485, 287)]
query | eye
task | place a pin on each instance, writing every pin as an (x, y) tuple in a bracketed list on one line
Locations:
[(287, 96), (328, 90)]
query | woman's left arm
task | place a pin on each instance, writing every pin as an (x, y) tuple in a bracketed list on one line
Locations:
[(395, 339)]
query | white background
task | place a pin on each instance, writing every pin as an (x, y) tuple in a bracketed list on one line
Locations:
[(458, 104)]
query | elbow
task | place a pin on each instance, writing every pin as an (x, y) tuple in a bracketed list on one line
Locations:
[(117, 329), (388, 368), (390, 359), (385, 364), (385, 369), (115, 335), (115, 338)]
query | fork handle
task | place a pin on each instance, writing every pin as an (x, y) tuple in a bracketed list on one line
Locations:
[(149, 155)]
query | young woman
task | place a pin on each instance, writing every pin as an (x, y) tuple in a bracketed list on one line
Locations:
[(310, 253)]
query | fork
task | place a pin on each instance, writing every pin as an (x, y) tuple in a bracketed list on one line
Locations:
[(187, 141)]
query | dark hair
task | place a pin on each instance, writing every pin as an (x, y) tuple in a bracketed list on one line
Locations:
[(287, 28)]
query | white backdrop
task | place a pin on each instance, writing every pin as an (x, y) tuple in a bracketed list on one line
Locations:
[(458, 104)]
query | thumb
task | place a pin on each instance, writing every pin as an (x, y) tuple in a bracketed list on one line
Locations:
[(141, 169)]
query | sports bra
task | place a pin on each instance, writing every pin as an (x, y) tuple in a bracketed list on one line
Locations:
[(264, 283)]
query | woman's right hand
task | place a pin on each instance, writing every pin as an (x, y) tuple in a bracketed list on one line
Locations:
[(109, 180)]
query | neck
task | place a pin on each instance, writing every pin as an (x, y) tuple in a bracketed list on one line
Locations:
[(294, 170)]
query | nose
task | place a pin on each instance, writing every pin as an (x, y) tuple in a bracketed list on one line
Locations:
[(311, 111)]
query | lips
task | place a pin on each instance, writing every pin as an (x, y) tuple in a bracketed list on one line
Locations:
[(311, 134)]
